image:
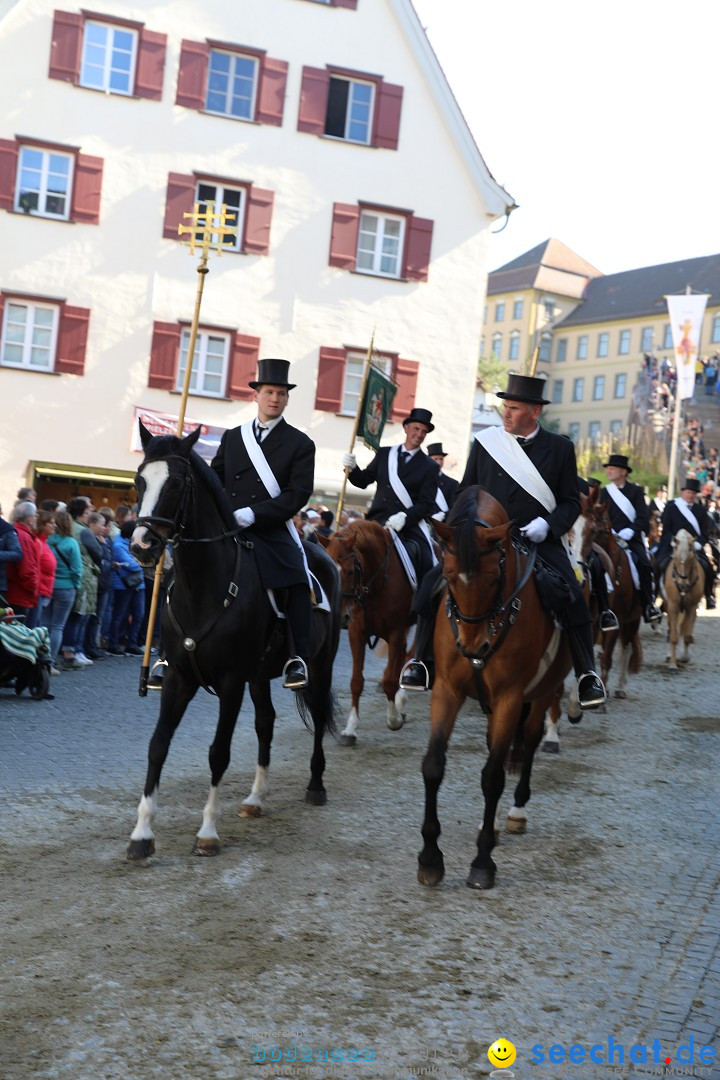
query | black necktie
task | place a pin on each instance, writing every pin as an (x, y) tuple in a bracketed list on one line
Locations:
[(404, 458), (259, 429)]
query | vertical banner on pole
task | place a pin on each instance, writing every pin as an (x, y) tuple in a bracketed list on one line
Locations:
[(686, 316)]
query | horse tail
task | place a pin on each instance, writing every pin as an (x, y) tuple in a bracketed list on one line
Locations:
[(317, 706), (517, 750), (636, 655)]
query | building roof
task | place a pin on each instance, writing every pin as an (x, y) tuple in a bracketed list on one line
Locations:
[(550, 267), (637, 293)]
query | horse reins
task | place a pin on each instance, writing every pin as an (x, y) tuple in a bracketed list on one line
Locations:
[(361, 589)]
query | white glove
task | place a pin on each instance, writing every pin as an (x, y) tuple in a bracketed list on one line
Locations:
[(440, 516), (626, 534), (697, 545), (536, 530), (245, 517), (396, 521), (349, 461)]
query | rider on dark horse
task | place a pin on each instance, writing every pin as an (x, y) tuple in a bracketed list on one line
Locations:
[(596, 572), (533, 474), (267, 468), (407, 484), (687, 513), (630, 521)]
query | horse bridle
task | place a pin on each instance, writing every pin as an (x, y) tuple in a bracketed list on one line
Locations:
[(361, 589), (683, 582), (178, 523)]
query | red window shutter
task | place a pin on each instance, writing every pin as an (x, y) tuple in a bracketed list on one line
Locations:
[(405, 375), (72, 340), (192, 74), (330, 380), (87, 187), (387, 116), (313, 100), (66, 46), (271, 92), (343, 241), (243, 367), (150, 65), (179, 201), (258, 214), (8, 173), (164, 353), (417, 248)]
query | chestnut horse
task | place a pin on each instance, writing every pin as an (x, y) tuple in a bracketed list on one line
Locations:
[(376, 603), (624, 600), (493, 642), (682, 587)]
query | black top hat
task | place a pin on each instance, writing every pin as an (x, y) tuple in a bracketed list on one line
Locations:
[(619, 461), (419, 416), (525, 388), (692, 484), (274, 372), (435, 450)]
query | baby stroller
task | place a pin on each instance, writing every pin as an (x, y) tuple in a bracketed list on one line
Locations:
[(24, 655)]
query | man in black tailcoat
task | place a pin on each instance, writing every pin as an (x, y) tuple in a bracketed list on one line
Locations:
[(687, 513), (538, 488), (630, 520), (265, 492), (407, 483), (447, 484)]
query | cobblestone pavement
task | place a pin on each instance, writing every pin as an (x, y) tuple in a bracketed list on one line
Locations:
[(603, 929)]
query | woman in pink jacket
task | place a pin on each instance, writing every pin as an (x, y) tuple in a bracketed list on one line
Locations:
[(23, 586), (45, 527)]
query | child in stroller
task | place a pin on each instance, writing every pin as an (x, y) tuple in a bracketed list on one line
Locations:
[(24, 655)]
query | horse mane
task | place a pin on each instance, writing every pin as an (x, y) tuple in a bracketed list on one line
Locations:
[(463, 517)]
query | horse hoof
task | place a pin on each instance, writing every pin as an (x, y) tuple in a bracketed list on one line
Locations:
[(397, 723), (620, 694), (481, 878), (517, 826), (140, 849), (206, 846), (431, 875), (550, 748), (249, 810), (348, 740), (316, 798)]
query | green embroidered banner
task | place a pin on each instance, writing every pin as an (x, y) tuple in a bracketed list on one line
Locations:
[(376, 406)]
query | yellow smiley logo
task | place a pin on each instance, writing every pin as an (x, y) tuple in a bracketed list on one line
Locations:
[(502, 1053)]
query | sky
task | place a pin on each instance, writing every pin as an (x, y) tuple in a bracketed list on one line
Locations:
[(599, 118)]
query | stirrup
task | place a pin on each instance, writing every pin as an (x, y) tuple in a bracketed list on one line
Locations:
[(652, 614), (608, 621), (594, 702), (155, 681), (405, 685), (298, 680)]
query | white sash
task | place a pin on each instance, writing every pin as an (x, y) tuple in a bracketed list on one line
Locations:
[(508, 453), (621, 501), (267, 476), (404, 496), (687, 512)]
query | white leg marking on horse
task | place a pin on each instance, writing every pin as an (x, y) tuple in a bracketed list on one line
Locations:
[(574, 709), (155, 474), (551, 731), (147, 809), (352, 723), (517, 813), (207, 830), (259, 788), (394, 720), (401, 701)]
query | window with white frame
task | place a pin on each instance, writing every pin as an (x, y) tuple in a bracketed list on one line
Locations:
[(497, 345), (380, 244), (232, 84), (603, 344), (354, 369), (620, 385), (549, 306), (210, 363), (514, 345), (44, 182), (594, 430), (29, 335), (500, 311), (667, 337), (557, 392), (646, 339), (234, 199), (561, 355), (616, 427), (582, 347), (578, 389), (574, 431), (715, 332), (599, 388), (517, 309), (545, 347), (350, 109), (108, 57), (624, 343)]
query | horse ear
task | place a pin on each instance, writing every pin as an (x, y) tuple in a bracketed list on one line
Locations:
[(324, 540), (145, 435), (190, 440), (445, 532)]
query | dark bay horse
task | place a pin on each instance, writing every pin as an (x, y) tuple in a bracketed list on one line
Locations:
[(220, 630), (624, 599), (493, 642), (377, 598)]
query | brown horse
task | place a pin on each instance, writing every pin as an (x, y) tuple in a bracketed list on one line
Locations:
[(377, 599), (493, 642), (624, 599), (682, 587)]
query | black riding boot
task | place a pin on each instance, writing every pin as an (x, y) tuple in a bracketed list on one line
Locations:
[(651, 614), (418, 673), (591, 692), (298, 610), (607, 617)]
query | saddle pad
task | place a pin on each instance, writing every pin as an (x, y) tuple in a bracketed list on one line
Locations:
[(633, 569), (323, 604)]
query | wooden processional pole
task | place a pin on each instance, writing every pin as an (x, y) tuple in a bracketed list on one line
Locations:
[(205, 223), (366, 372)]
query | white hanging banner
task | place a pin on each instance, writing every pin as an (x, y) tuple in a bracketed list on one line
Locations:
[(686, 316)]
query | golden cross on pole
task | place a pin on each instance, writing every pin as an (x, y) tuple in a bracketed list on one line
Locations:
[(208, 231)]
